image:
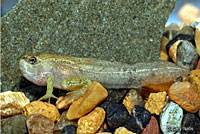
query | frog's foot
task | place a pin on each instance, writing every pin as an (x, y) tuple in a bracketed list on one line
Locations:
[(74, 95), (48, 96)]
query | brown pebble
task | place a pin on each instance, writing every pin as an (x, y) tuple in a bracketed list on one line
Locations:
[(173, 50), (198, 65), (42, 108), (164, 42), (131, 99), (123, 130), (164, 56), (194, 79), (185, 95), (156, 102), (12, 103), (63, 103), (90, 123), (152, 127), (92, 97), (39, 124), (197, 40)]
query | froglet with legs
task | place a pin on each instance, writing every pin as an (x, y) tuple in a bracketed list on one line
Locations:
[(70, 73)]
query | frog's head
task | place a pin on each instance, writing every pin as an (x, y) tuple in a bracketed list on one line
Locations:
[(36, 68)]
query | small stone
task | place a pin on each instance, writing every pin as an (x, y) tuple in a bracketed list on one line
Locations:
[(42, 108), (116, 115), (194, 79), (63, 103), (173, 50), (156, 102), (123, 130), (90, 123), (138, 120), (131, 99), (187, 56), (190, 124), (197, 40), (164, 42), (12, 103), (164, 56), (170, 34), (37, 123), (64, 122), (189, 38), (170, 118), (14, 125), (152, 127), (103, 133), (188, 13), (187, 30), (92, 97), (185, 95), (199, 113), (70, 129)]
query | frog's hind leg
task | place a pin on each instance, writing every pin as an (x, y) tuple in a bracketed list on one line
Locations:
[(77, 86), (49, 92)]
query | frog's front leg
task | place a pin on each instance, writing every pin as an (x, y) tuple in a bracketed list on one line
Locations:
[(77, 85), (49, 92)]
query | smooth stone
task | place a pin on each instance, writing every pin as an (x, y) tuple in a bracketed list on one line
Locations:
[(190, 124), (69, 129), (138, 119), (187, 56), (197, 40), (170, 118), (37, 123), (116, 115), (152, 127), (14, 125), (126, 31)]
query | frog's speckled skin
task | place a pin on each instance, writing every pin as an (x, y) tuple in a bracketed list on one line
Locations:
[(109, 74)]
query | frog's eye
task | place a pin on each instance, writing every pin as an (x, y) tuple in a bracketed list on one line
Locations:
[(32, 60)]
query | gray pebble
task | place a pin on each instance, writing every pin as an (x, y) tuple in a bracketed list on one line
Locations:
[(187, 55), (170, 118)]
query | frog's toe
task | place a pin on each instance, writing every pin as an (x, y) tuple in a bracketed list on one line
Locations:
[(48, 96)]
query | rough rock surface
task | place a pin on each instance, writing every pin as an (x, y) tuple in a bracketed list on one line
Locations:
[(127, 31)]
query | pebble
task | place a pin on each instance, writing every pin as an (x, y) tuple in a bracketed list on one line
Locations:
[(90, 123), (64, 122), (12, 103), (199, 113), (37, 123), (194, 79), (116, 115), (42, 108), (14, 125), (197, 40), (185, 95), (187, 56), (164, 56), (69, 129), (123, 130), (170, 34), (173, 50), (164, 42), (156, 102), (189, 38), (63, 102), (131, 99), (92, 97), (138, 120), (187, 30), (170, 118), (190, 124), (152, 127)]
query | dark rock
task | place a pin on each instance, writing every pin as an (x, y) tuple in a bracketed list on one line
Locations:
[(133, 125), (170, 34), (14, 125), (116, 115), (70, 129), (114, 96), (107, 130), (189, 38), (138, 120), (187, 56), (190, 124), (111, 30), (37, 123), (199, 113)]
